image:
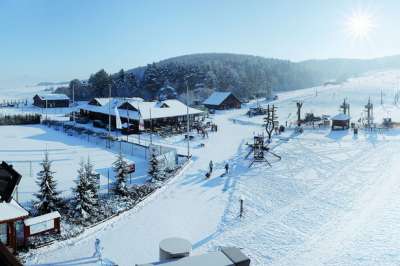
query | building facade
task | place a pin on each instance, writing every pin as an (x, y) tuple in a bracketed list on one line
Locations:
[(51, 100), (138, 114), (222, 101)]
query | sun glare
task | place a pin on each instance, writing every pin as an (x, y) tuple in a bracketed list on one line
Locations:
[(360, 25)]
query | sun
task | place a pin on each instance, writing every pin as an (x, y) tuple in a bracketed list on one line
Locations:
[(360, 25)]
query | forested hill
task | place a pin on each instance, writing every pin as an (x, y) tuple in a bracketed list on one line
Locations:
[(245, 75)]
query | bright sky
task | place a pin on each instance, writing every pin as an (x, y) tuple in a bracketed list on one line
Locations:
[(47, 40)]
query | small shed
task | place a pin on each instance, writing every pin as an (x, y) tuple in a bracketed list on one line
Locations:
[(41, 224), (51, 100), (340, 121), (222, 101)]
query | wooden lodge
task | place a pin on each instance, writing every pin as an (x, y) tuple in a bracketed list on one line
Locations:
[(51, 100), (139, 115), (222, 101), (340, 121)]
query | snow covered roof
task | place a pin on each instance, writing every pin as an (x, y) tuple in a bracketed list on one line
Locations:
[(167, 108), (53, 96), (114, 101), (217, 97), (11, 211), (145, 110), (42, 218), (341, 117)]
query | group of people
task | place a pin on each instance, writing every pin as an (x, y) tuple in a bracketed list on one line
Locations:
[(203, 130), (214, 128), (211, 168)]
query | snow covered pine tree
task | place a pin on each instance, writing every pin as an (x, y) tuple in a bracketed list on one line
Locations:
[(47, 199), (120, 167), (155, 171), (85, 197), (93, 178)]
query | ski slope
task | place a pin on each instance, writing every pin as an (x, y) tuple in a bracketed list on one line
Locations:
[(332, 200)]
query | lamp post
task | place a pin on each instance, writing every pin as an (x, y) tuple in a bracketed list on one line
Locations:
[(46, 110), (109, 115), (187, 119), (73, 102)]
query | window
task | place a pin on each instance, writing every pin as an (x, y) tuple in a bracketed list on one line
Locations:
[(19, 228), (3, 233)]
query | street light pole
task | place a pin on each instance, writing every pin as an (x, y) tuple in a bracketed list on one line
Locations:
[(109, 115), (46, 110), (187, 118), (73, 102)]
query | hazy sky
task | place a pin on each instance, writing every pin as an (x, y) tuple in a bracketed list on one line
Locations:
[(57, 40)]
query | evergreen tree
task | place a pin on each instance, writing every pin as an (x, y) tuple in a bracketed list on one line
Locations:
[(85, 198), (47, 199), (155, 170), (121, 75), (100, 82), (120, 167), (92, 177)]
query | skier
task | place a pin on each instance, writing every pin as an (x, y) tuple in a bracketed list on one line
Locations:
[(226, 167), (211, 165), (97, 249)]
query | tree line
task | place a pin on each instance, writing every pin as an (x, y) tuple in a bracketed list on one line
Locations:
[(246, 76)]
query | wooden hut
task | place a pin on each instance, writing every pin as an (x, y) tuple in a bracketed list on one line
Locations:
[(222, 101), (51, 100), (340, 121), (11, 213)]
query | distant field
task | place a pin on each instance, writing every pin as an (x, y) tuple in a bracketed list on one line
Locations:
[(24, 146)]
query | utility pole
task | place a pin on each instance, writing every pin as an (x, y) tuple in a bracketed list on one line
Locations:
[(151, 128), (73, 102), (187, 118), (109, 115), (46, 110), (128, 126)]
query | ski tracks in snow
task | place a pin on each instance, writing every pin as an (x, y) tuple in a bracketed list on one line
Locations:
[(284, 227)]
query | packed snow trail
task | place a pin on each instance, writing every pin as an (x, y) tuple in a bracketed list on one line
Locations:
[(321, 224), (190, 207)]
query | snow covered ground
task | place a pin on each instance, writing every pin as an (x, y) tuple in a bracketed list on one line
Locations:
[(24, 92), (332, 200), (326, 100), (24, 147)]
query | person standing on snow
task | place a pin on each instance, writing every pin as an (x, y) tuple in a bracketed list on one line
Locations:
[(211, 165), (226, 167), (97, 250)]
